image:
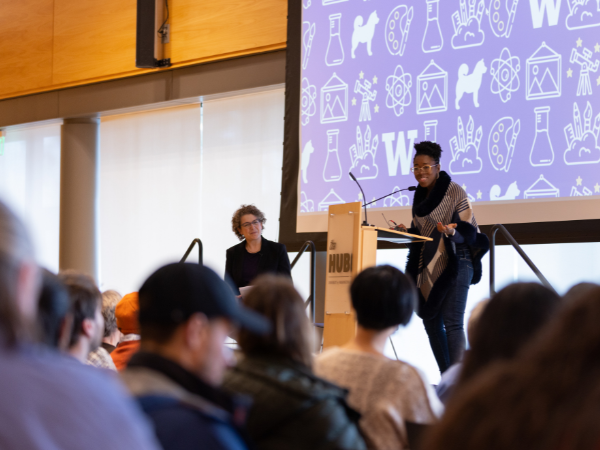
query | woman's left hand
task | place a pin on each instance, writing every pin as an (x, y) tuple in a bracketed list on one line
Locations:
[(448, 230)]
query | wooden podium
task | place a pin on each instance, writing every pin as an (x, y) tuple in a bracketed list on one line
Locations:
[(351, 247)]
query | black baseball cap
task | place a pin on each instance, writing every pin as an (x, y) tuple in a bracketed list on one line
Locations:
[(176, 291)]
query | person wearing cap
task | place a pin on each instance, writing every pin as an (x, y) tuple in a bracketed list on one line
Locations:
[(186, 313), (126, 313)]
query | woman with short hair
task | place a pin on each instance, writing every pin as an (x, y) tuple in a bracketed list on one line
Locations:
[(292, 408), (386, 393), (255, 255)]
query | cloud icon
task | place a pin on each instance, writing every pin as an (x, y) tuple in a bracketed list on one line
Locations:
[(465, 148), (366, 167), (467, 161), (363, 154), (583, 151), (468, 35), (584, 15)]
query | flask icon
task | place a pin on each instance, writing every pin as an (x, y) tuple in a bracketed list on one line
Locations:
[(333, 169), (432, 39), (430, 130), (335, 51), (542, 153)]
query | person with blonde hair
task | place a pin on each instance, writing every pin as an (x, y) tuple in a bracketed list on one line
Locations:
[(292, 407), (101, 356)]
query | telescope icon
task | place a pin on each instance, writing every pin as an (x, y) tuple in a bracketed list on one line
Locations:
[(367, 95), (584, 86)]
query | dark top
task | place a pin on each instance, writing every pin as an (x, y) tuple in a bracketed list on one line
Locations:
[(249, 266), (182, 424), (292, 408), (272, 258), (109, 348)]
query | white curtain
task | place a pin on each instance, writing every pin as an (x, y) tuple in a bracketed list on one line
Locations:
[(164, 182), (242, 155), (30, 184), (149, 192)]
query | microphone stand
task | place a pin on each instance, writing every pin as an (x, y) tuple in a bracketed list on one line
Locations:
[(365, 223), (410, 188)]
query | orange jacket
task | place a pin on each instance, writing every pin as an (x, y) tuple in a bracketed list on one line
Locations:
[(123, 353)]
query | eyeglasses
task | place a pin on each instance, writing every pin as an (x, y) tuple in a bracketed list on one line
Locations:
[(254, 223), (425, 169)]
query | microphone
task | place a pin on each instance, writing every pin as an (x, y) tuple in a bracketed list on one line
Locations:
[(410, 188), (365, 223)]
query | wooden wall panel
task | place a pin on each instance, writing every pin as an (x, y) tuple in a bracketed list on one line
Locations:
[(206, 29), (93, 39), (25, 45), (52, 44)]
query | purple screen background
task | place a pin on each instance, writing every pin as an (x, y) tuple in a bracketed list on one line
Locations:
[(536, 74)]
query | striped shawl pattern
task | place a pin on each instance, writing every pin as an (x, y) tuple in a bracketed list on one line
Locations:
[(434, 265)]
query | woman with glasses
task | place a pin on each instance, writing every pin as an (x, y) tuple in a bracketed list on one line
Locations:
[(444, 268), (255, 255)]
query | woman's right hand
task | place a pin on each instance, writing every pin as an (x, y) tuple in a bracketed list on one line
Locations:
[(401, 228)]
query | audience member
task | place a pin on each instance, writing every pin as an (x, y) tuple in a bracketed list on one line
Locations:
[(292, 408), (384, 391), (126, 314), (55, 320), (112, 334), (88, 324), (510, 320), (101, 356), (186, 313), (547, 397), (49, 400), (451, 376)]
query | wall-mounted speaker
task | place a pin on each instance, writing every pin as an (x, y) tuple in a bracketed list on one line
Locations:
[(149, 52)]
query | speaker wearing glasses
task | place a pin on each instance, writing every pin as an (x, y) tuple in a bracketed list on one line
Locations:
[(443, 269), (255, 255)]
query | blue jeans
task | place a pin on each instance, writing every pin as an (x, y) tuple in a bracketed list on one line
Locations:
[(446, 330)]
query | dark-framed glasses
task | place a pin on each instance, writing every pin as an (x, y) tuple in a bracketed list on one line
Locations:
[(254, 223), (425, 169)]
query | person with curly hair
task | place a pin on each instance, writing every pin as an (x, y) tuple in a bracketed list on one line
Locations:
[(255, 255), (445, 267)]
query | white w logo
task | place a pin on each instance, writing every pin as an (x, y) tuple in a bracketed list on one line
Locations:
[(537, 12)]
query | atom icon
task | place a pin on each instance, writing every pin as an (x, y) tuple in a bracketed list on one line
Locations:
[(398, 90), (505, 74), (309, 94)]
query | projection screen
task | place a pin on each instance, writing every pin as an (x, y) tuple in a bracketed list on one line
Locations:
[(510, 89)]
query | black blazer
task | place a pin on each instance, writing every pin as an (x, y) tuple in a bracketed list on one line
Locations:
[(273, 259)]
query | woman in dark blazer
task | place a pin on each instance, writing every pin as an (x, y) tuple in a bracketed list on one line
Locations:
[(255, 255)]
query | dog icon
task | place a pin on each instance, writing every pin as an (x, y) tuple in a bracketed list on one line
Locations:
[(469, 84), (511, 193), (363, 34)]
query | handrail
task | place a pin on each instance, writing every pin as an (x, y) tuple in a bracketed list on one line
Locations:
[(189, 250), (517, 247), (313, 272)]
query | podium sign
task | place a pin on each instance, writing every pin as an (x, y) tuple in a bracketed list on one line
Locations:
[(343, 256), (351, 248)]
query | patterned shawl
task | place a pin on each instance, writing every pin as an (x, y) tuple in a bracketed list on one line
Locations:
[(434, 265)]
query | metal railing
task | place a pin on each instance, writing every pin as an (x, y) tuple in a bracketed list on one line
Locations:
[(517, 247), (313, 272), (191, 247)]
